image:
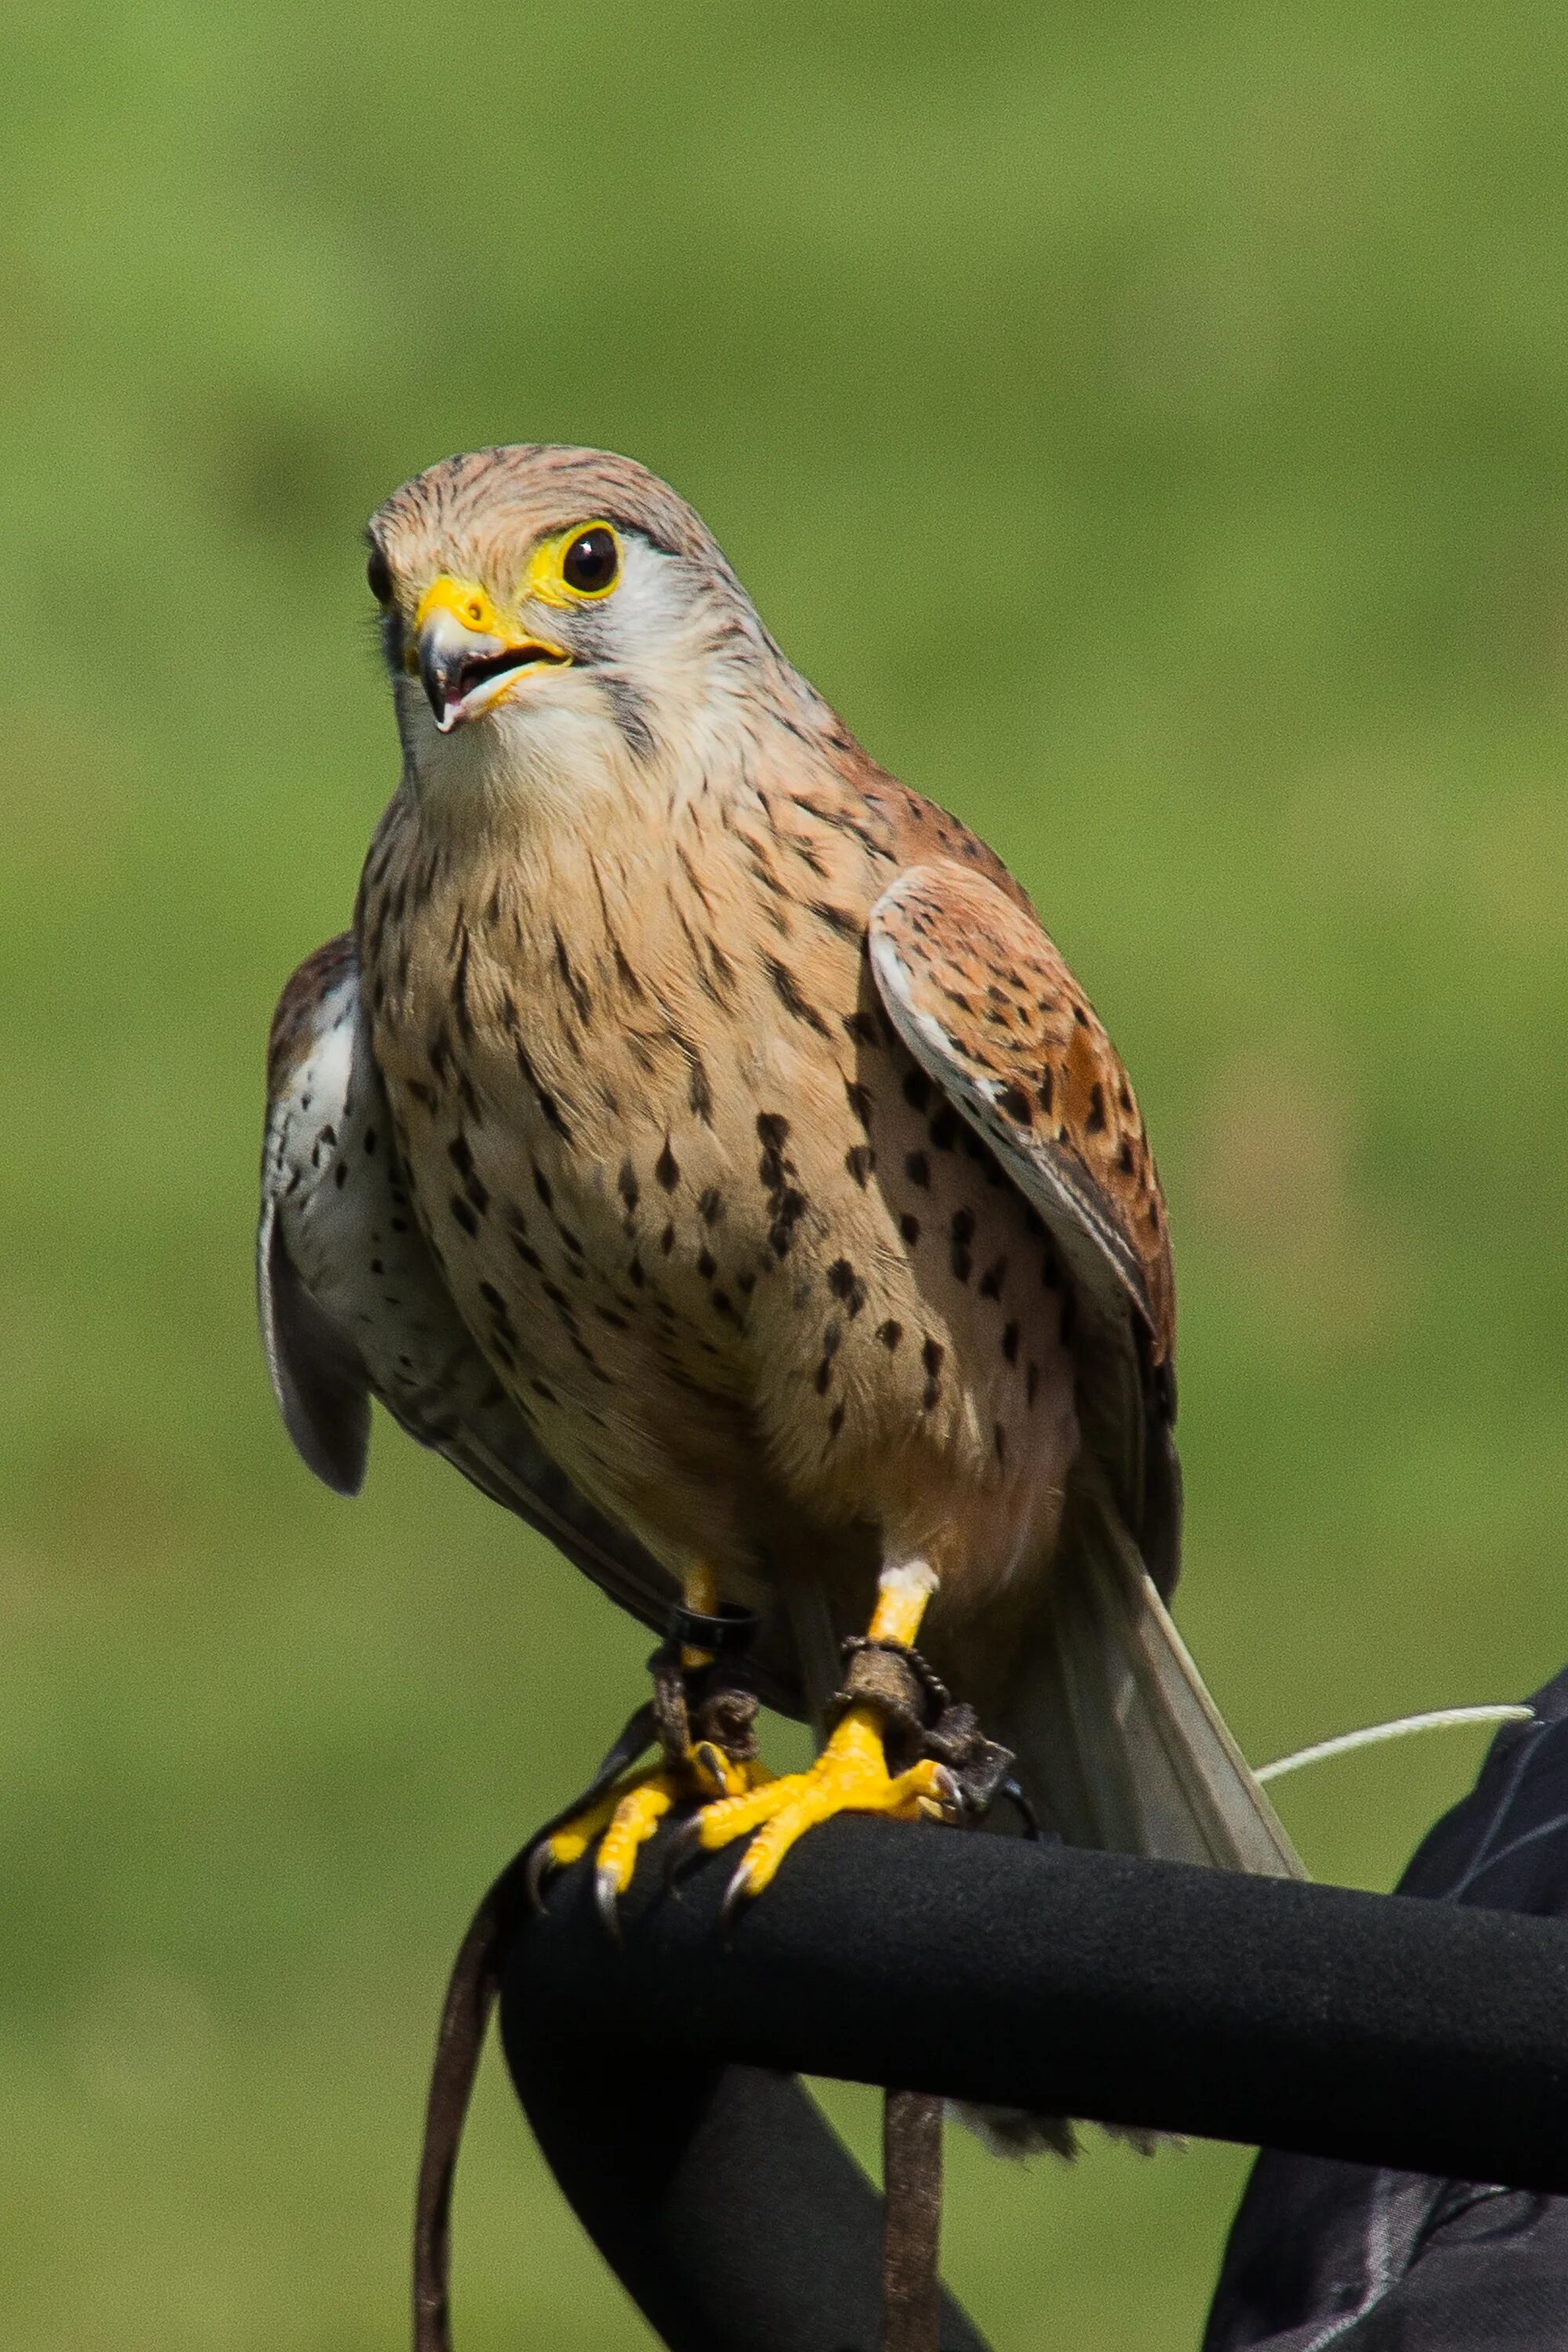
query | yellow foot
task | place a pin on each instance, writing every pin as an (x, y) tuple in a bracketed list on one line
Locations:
[(850, 1775), (624, 1817)]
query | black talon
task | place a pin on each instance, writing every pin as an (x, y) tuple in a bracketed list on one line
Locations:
[(735, 1901), (684, 1842), (636, 1737), (706, 1758), (606, 1902), (1032, 1828), (541, 1867)]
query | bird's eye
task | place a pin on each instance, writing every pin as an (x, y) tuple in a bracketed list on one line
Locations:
[(378, 573), (591, 563)]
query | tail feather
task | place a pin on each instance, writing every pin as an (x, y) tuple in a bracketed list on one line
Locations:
[(1119, 1744)]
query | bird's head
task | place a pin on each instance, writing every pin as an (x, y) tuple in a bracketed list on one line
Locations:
[(553, 615)]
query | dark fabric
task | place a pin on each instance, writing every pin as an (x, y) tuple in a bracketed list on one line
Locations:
[(1387, 2260)]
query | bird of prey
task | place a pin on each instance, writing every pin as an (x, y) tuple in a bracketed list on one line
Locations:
[(700, 1142)]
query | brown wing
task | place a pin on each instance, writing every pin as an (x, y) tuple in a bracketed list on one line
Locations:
[(988, 1006)]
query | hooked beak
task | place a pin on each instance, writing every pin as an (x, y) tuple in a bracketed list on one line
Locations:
[(467, 655)]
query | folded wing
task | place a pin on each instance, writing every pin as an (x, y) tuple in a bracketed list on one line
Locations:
[(1118, 1741)]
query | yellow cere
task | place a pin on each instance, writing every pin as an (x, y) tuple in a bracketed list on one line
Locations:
[(543, 577), (467, 602)]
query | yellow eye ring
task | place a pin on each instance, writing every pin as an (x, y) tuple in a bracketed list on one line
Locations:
[(591, 560)]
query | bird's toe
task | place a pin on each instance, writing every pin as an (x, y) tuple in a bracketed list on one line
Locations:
[(850, 1775), (619, 1823)]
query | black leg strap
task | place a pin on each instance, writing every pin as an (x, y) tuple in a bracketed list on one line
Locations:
[(730, 1635)]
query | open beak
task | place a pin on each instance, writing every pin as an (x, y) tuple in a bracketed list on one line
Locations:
[(467, 655)]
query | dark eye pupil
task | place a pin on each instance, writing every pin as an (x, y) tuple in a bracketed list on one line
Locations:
[(590, 561), (378, 573)]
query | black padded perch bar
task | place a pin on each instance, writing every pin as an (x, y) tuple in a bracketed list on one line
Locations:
[(1383, 2028), (729, 2210), (1416, 2043)]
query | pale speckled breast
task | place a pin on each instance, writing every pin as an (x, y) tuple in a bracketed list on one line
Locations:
[(755, 1279)]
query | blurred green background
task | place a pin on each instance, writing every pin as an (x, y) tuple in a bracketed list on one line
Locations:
[(1146, 424)]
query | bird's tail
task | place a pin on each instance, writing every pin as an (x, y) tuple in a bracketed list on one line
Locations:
[(1120, 1745)]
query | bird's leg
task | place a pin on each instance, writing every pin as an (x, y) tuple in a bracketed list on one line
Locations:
[(881, 1708), (704, 1728)]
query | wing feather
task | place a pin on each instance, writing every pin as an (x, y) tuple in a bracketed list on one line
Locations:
[(988, 1007), (317, 1378), (1118, 1741)]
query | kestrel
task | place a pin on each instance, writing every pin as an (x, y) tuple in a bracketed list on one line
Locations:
[(701, 1144)]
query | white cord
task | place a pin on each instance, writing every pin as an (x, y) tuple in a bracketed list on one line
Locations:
[(1438, 1720)]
